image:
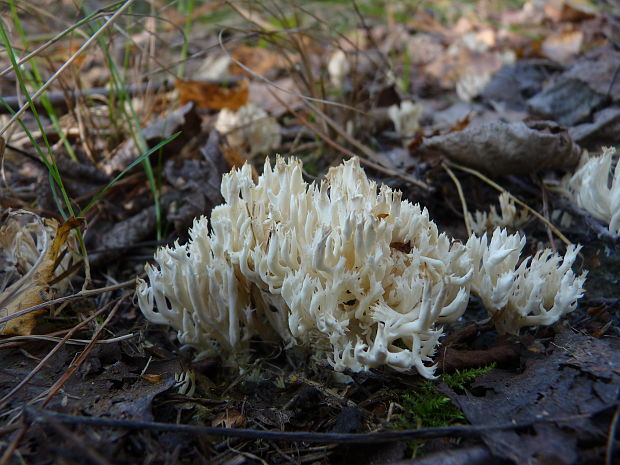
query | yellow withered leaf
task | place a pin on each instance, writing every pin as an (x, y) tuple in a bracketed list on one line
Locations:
[(41, 252)]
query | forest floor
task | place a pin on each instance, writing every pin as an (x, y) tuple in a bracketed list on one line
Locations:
[(117, 124)]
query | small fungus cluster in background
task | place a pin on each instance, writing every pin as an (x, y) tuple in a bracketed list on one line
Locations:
[(595, 187), (249, 129), (347, 269), (508, 217)]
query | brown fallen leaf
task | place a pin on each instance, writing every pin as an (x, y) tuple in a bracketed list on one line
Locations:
[(211, 96), (229, 419), (259, 59), (499, 148), (38, 250), (151, 378), (562, 46)]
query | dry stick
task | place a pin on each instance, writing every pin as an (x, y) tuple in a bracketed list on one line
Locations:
[(76, 364), (86, 449), (347, 152), (465, 431), (51, 42), (42, 363), (16, 341), (282, 89), (545, 200), (459, 189), (66, 64), (85, 293), (611, 437), (8, 453), (79, 342), (499, 188), (60, 98)]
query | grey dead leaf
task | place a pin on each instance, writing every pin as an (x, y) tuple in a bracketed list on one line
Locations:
[(514, 84), (598, 68), (567, 101), (198, 182), (604, 129), (184, 119), (196, 191), (579, 375), (587, 83), (499, 148)]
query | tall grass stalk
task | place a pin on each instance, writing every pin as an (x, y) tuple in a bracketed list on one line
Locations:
[(35, 80)]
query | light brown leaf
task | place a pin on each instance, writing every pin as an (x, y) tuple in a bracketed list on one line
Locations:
[(229, 419), (562, 46), (211, 96), (258, 59)]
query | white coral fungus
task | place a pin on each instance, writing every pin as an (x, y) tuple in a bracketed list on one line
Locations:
[(508, 217), (338, 67), (406, 117), (250, 129), (596, 189), (538, 291), (470, 85), (362, 275), (344, 268)]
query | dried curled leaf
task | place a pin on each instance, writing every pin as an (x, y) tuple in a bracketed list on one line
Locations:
[(41, 254), (499, 148)]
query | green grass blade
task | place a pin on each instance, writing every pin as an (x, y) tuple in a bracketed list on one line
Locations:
[(142, 158)]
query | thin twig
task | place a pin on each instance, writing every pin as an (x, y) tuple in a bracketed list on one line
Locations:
[(459, 189), (282, 89), (328, 140), (45, 359), (79, 295), (67, 63), (465, 431), (8, 453), (78, 362), (60, 98), (252, 17), (76, 342), (545, 201), (611, 437), (101, 12), (499, 188)]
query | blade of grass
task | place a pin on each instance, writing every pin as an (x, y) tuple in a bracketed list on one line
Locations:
[(189, 9), (50, 162), (101, 12), (66, 64), (133, 125), (35, 80), (142, 158)]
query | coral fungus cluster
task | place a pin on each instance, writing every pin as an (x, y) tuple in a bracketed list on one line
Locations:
[(351, 270)]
